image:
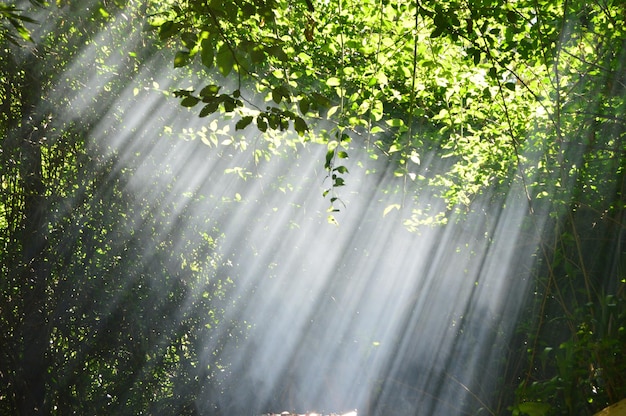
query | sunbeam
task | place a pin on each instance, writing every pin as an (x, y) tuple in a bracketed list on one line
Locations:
[(208, 252), (361, 316)]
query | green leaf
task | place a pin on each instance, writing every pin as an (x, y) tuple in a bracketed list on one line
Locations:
[(210, 108), (300, 125), (395, 122), (475, 53), (24, 34), (381, 78), (333, 82), (273, 121), (229, 104), (261, 124), (189, 40), (437, 32), (284, 92), (209, 91), (342, 154), (179, 93), (189, 101), (377, 110), (441, 20), (332, 110), (207, 54), (304, 105), (341, 169), (329, 158), (512, 17), (168, 29), (243, 123), (279, 93), (181, 59), (389, 208), (320, 100), (224, 60)]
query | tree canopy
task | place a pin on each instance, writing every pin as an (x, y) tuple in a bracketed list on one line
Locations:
[(488, 85), (463, 101)]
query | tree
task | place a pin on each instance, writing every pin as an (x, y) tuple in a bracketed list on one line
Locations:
[(527, 93), (92, 292)]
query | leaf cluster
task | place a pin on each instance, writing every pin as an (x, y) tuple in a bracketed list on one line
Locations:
[(17, 20)]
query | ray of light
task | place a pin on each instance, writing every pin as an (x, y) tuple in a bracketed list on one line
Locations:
[(365, 315)]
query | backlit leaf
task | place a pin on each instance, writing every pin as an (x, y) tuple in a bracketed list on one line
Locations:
[(390, 208), (168, 29), (181, 59), (300, 125), (333, 82), (207, 53), (224, 60), (332, 110), (189, 40), (304, 105), (395, 122), (329, 158), (209, 91)]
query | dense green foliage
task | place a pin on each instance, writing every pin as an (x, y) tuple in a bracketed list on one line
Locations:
[(99, 314), (526, 93)]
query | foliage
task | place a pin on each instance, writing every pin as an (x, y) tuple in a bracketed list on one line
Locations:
[(464, 99), (575, 348), (100, 313), (528, 93), (16, 19)]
